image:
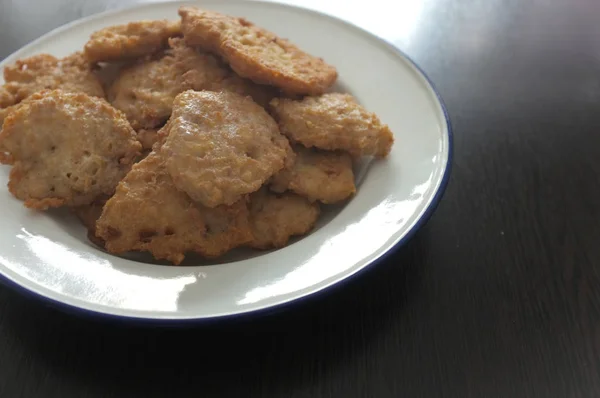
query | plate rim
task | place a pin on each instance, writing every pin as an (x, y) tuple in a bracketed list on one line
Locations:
[(440, 190)]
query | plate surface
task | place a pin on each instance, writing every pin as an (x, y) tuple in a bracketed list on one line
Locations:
[(48, 254)]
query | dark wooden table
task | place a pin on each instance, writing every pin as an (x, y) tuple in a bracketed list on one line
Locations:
[(498, 296)]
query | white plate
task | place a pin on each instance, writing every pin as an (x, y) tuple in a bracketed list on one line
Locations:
[(48, 254)]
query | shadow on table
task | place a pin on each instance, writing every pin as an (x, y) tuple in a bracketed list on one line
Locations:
[(294, 350)]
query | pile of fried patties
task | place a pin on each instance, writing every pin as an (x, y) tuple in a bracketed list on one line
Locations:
[(198, 135)]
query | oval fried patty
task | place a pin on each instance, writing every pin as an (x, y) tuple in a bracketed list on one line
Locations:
[(132, 40), (333, 121), (147, 213), (221, 146), (66, 149), (145, 91), (256, 53), (43, 71), (317, 175)]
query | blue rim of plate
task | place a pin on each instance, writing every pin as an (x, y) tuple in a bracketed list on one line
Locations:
[(427, 213)]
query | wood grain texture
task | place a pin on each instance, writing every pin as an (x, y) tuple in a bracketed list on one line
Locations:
[(498, 296)]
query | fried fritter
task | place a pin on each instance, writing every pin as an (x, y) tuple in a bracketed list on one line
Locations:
[(132, 40), (221, 146), (317, 175), (147, 213), (66, 149), (43, 71), (256, 53), (275, 218), (145, 91), (333, 122)]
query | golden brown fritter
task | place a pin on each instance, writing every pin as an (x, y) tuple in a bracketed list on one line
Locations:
[(66, 149), (132, 40), (43, 71), (256, 53), (275, 218), (221, 146), (317, 175), (147, 213), (146, 90), (333, 122)]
